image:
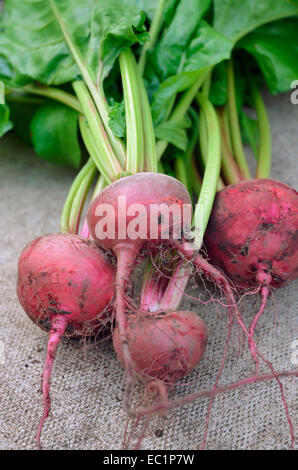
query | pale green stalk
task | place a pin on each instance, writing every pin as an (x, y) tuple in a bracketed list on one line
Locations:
[(80, 198), (154, 31), (264, 150), (106, 160), (211, 174), (150, 157), (133, 112), (54, 94), (92, 149), (234, 124), (96, 93), (180, 110), (87, 169)]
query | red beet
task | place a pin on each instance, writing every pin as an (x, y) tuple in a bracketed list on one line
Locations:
[(65, 285), (253, 236), (164, 345), (253, 232), (110, 218)]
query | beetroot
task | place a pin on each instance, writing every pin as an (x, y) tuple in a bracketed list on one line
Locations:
[(253, 233), (65, 285), (164, 345), (110, 219), (145, 189), (253, 236), (65, 275)]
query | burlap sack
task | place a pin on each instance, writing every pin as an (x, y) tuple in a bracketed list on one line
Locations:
[(87, 383)]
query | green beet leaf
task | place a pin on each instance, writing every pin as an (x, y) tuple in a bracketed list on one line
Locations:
[(22, 110), (206, 49), (235, 19), (275, 48), (148, 6), (33, 43), (5, 123), (117, 118), (162, 98), (174, 132), (219, 83), (54, 133), (169, 54)]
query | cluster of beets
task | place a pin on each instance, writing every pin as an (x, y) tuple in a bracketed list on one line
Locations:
[(72, 286)]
